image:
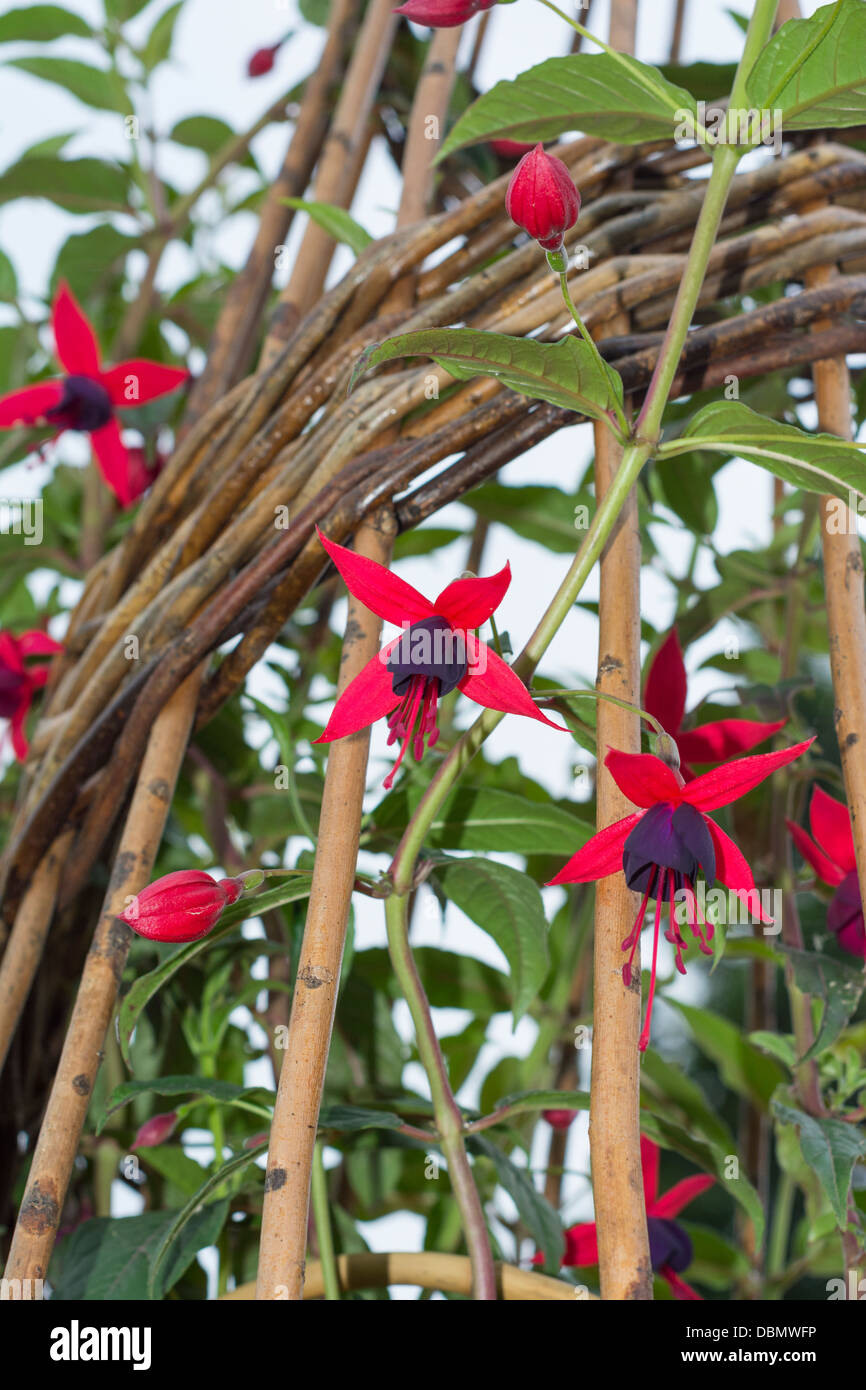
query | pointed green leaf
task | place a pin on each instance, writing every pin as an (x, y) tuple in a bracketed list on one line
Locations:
[(815, 462), (336, 221), (77, 185), (617, 98), (94, 86), (839, 985), (507, 905), (564, 373), (41, 24), (535, 1211), (814, 70), (831, 1148)]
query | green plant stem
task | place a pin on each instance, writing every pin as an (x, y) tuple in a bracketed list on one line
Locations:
[(449, 1121), (324, 1234), (605, 369), (777, 1252)]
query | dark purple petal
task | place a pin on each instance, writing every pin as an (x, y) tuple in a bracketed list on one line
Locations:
[(846, 903), (430, 648), (669, 1244), (84, 405), (668, 837)]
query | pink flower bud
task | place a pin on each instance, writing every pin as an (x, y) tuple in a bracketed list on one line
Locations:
[(559, 1119), (155, 1130), (182, 906), (262, 61), (542, 198), (442, 14)]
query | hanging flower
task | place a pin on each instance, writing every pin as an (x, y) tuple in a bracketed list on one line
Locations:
[(88, 396), (665, 699), (19, 680), (542, 198), (436, 653), (661, 848), (183, 906), (670, 1247), (442, 14), (831, 855)]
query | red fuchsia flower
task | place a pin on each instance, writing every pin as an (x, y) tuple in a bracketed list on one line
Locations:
[(182, 906), (142, 470), (665, 699), (87, 397), (831, 855), (155, 1131), (436, 652), (442, 14), (559, 1119), (670, 1247), (661, 847), (542, 198), (19, 680)]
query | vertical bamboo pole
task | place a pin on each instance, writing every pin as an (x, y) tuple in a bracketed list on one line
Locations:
[(68, 1103), (614, 1125), (302, 1076)]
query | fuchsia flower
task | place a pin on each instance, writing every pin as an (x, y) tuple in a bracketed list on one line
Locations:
[(436, 652), (542, 198), (661, 847), (20, 681), (87, 397), (155, 1130), (442, 14), (831, 855), (665, 699), (670, 1247), (182, 906)]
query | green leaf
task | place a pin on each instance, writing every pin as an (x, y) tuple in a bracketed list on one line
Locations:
[(107, 1258), (831, 1148), (144, 988), (40, 24), (814, 70), (170, 1161), (507, 905), (815, 462), (224, 1092), (77, 185), (94, 86), (335, 221), (449, 980), (178, 1238), (354, 1117), (839, 985), (91, 260), (484, 818), (565, 373), (705, 81), (8, 279), (626, 101), (315, 11), (122, 10), (520, 1101), (208, 134), (535, 1211), (743, 1067), (548, 515), (159, 40)]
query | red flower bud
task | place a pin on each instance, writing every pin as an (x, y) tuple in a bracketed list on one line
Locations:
[(155, 1130), (542, 198), (442, 14), (182, 906), (559, 1119), (262, 61)]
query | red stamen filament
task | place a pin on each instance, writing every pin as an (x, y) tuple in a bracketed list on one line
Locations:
[(422, 698), (643, 1041), (696, 921), (630, 943)]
